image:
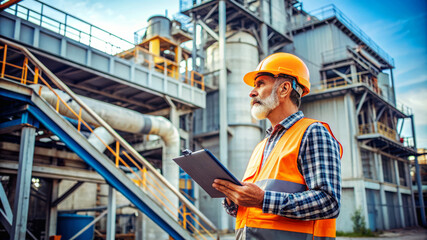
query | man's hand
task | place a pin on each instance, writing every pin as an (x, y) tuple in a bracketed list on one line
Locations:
[(248, 195)]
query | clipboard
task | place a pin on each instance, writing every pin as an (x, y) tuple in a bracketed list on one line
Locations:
[(204, 168)]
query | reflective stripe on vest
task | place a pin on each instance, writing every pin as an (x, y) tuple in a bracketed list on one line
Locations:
[(280, 173)]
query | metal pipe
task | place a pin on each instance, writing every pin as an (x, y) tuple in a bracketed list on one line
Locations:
[(103, 134), (418, 176), (101, 122), (124, 120), (223, 136)]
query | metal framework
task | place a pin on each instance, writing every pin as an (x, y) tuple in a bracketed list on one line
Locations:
[(69, 135)]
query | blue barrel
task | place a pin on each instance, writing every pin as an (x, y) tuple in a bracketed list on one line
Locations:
[(70, 224)]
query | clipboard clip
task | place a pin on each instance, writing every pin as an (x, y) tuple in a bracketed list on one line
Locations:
[(187, 152)]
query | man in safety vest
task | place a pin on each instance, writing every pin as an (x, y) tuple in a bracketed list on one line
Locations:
[(292, 184)]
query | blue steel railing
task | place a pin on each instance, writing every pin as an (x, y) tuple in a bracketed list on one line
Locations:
[(332, 11), (69, 26)]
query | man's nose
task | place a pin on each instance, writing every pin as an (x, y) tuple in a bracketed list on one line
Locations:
[(253, 93)]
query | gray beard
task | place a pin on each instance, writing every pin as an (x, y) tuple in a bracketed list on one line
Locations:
[(265, 106)]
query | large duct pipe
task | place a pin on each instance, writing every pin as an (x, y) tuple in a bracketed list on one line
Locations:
[(103, 135), (125, 120)]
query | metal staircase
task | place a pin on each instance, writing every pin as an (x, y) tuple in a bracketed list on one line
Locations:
[(147, 189)]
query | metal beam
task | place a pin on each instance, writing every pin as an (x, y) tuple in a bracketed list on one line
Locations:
[(52, 211), (342, 75), (208, 29), (264, 41), (47, 171), (259, 41), (194, 50), (149, 107), (6, 206), (41, 151), (361, 102), (67, 71), (278, 46), (7, 4), (22, 194), (210, 12), (5, 221), (66, 194), (393, 86), (111, 217), (231, 17), (380, 114), (87, 80), (13, 110)]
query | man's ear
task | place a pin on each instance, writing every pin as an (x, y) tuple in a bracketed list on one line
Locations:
[(285, 89)]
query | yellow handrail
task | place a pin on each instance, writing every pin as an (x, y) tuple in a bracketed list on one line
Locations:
[(341, 81), (168, 67), (382, 129)]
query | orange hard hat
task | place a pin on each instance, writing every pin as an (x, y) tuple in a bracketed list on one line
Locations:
[(282, 63)]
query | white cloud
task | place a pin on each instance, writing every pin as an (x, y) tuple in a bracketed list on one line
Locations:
[(415, 99), (419, 79)]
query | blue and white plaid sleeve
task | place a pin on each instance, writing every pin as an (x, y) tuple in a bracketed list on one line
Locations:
[(320, 163)]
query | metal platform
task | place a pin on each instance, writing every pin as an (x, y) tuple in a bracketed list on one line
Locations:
[(238, 16), (94, 73)]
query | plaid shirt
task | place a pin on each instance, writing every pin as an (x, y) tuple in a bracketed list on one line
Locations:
[(319, 163)]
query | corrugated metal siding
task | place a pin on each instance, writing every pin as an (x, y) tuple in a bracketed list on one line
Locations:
[(310, 45)]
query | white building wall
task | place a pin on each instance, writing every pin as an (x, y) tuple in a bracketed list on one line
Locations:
[(348, 207), (333, 111)]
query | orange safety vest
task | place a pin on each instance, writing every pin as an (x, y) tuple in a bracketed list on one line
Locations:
[(280, 173)]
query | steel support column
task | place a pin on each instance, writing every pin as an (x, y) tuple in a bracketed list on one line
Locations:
[(383, 200), (23, 184), (418, 176), (353, 72), (399, 194), (223, 124), (111, 217), (194, 51), (264, 41), (53, 209), (392, 87)]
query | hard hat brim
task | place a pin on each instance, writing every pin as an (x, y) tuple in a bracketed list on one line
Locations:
[(249, 79)]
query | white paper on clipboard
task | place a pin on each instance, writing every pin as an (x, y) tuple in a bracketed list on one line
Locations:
[(204, 168)]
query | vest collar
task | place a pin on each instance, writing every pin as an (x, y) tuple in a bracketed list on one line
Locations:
[(287, 122)]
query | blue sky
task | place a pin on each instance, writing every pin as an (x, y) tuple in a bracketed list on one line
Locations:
[(398, 27)]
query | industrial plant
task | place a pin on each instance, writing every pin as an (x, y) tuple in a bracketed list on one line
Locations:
[(90, 121)]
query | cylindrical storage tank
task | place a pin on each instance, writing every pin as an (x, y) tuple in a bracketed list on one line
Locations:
[(158, 25), (242, 56), (70, 224)]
